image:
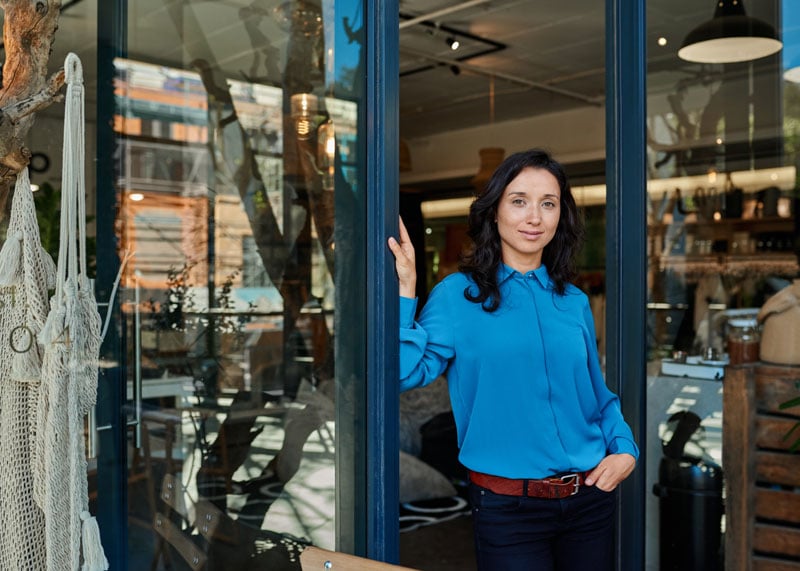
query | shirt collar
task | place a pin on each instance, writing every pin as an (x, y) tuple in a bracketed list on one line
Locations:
[(540, 273)]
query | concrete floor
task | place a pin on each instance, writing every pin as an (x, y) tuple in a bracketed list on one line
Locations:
[(446, 546)]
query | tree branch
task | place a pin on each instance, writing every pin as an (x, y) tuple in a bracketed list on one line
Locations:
[(29, 28)]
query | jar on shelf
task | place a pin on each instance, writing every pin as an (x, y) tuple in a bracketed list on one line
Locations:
[(743, 341)]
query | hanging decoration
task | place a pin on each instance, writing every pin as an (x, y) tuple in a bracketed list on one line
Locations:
[(48, 373), (25, 270), (71, 342)]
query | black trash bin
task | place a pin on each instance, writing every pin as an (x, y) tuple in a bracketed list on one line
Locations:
[(690, 504)]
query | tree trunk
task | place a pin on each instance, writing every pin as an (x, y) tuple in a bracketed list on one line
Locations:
[(29, 28)]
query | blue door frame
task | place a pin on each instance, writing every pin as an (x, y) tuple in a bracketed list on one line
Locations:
[(626, 262), (383, 432), (112, 481)]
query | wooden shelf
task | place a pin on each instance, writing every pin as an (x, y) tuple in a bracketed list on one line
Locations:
[(752, 225), (728, 236), (759, 264)]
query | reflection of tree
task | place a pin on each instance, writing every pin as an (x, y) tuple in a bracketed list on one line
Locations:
[(791, 121), (286, 251), (262, 47), (692, 134)]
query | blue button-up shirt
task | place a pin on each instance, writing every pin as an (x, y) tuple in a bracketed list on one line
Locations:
[(527, 391)]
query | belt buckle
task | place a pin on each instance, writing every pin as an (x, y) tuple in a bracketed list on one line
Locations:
[(573, 479)]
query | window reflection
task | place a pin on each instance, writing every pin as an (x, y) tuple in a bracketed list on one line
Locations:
[(231, 197), (722, 240)]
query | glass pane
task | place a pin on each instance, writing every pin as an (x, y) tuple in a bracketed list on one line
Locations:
[(722, 241), (240, 202)]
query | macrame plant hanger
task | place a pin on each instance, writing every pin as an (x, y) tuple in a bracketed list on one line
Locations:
[(71, 342)]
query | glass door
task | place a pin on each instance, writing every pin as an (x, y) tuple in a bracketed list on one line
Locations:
[(722, 239), (238, 193)]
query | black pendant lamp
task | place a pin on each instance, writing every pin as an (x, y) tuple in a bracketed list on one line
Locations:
[(730, 36)]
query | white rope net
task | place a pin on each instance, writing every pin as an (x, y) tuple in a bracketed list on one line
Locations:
[(48, 373), (23, 307)]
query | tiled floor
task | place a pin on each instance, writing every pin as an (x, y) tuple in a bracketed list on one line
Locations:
[(666, 396)]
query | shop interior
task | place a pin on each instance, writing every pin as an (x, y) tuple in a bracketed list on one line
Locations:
[(721, 210), (479, 79)]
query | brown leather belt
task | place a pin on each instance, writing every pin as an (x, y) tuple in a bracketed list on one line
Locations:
[(554, 487)]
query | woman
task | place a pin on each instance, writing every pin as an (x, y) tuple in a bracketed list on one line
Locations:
[(542, 437)]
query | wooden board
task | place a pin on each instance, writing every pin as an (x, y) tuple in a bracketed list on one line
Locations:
[(776, 540), (317, 559), (778, 468), (771, 432), (770, 564), (777, 505)]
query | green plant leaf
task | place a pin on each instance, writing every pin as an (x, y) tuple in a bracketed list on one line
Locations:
[(790, 403), (796, 444)]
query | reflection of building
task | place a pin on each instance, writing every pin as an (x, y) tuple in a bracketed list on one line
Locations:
[(168, 180)]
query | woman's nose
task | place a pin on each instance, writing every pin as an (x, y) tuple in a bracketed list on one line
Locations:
[(534, 216)]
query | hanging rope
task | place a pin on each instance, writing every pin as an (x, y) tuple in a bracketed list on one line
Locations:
[(71, 340)]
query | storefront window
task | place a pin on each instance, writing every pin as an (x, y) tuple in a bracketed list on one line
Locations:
[(722, 240), (240, 202)]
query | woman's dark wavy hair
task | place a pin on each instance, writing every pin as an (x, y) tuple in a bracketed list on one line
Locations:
[(483, 261)]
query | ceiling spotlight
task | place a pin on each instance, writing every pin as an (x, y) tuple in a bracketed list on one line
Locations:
[(730, 36), (453, 43)]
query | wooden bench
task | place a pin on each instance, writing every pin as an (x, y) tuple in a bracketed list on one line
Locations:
[(762, 474), (318, 559)]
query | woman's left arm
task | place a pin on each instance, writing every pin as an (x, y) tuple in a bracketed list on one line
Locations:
[(621, 446)]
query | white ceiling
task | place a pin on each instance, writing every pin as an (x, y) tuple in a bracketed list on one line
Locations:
[(553, 58), (545, 55)]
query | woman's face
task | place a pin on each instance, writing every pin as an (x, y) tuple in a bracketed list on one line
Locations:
[(527, 217)]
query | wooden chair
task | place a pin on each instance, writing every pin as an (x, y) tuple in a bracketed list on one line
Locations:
[(316, 559)]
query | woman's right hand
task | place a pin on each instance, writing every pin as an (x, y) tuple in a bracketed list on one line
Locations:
[(405, 262)]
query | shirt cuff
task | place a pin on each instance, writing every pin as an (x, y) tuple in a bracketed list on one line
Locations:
[(623, 446), (408, 309)]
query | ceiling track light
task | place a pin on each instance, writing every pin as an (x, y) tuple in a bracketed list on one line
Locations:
[(730, 36), (453, 43)]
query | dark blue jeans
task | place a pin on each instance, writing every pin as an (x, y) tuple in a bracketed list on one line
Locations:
[(536, 534)]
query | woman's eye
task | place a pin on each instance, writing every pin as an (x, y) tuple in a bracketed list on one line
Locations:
[(549, 204), (518, 202)]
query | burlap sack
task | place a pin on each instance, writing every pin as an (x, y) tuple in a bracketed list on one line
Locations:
[(780, 337)]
